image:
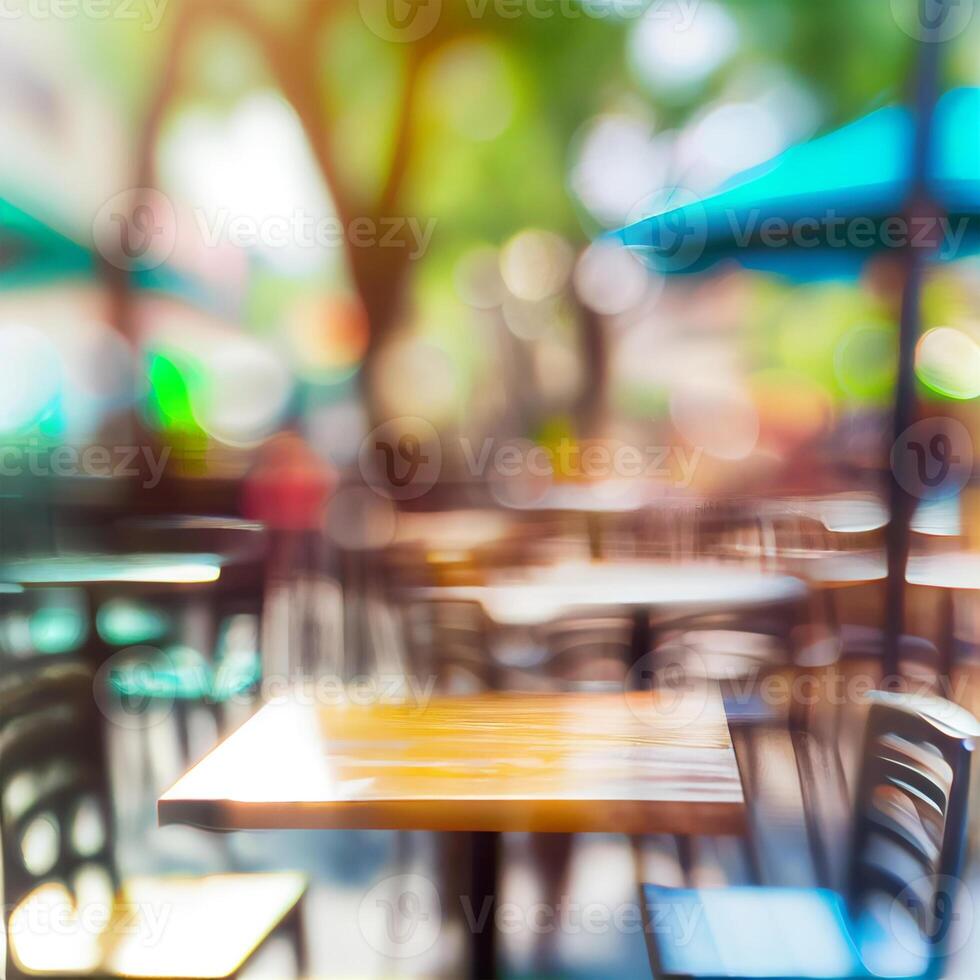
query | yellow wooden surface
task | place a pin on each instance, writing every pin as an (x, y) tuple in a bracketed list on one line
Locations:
[(630, 763)]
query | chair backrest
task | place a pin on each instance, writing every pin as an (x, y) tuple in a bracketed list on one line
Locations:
[(449, 639), (55, 824), (911, 814)]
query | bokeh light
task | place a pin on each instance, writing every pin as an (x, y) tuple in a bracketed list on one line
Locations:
[(717, 415), (30, 376), (948, 361), (536, 264), (668, 56), (866, 360), (609, 280), (472, 88), (620, 161)]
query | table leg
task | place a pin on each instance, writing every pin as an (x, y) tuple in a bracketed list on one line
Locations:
[(593, 528), (484, 880), (641, 643)]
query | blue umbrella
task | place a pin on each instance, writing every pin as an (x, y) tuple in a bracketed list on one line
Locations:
[(819, 209), (894, 179)]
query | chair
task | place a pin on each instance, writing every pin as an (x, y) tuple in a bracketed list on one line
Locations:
[(907, 849), (579, 651), (70, 914), (449, 639)]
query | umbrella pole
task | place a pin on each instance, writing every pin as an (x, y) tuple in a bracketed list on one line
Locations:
[(902, 503)]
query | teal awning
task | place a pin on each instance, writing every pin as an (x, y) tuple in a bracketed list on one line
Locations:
[(836, 194), (33, 253)]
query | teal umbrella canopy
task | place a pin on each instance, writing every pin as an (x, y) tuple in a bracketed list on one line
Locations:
[(822, 208), (32, 253)]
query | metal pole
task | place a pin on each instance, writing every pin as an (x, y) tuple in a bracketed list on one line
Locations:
[(902, 504)]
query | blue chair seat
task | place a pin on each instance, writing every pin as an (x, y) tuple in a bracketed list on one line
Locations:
[(763, 933)]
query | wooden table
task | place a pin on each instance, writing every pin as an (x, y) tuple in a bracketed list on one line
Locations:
[(675, 588), (591, 502), (632, 763)]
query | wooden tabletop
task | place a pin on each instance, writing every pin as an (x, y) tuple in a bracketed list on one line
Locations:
[(546, 594), (621, 763)]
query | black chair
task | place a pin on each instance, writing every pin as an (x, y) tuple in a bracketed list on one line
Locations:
[(68, 912), (907, 850)]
